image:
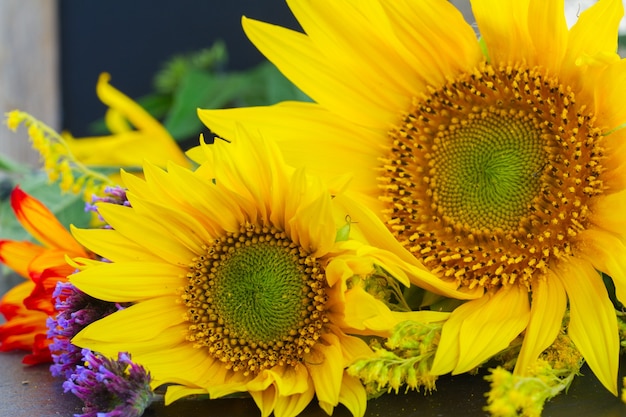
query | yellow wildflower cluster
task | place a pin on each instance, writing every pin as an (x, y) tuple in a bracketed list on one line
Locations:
[(58, 161), (404, 360), (525, 395)]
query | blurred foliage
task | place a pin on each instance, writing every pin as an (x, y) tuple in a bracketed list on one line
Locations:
[(201, 80)]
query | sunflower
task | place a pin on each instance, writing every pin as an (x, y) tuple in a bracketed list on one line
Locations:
[(497, 164), (237, 282), (27, 306)]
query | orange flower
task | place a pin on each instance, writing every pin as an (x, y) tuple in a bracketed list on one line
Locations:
[(27, 306)]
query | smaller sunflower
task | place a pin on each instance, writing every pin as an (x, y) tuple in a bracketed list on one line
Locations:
[(27, 306), (237, 282)]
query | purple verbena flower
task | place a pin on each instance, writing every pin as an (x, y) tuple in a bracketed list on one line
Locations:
[(75, 311), (114, 195), (110, 388)]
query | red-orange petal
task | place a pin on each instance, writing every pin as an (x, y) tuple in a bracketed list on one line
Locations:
[(41, 223), (19, 255)]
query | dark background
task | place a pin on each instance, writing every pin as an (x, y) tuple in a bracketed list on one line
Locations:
[(132, 39)]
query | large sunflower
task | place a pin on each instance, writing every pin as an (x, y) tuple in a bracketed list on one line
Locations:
[(237, 282), (498, 164)]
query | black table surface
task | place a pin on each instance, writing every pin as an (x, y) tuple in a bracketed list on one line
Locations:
[(32, 392)]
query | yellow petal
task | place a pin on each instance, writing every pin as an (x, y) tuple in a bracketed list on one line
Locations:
[(138, 147), (130, 281), (111, 245), (325, 365), (310, 221), (367, 52), (114, 98), (546, 317), (608, 102), (306, 66), (352, 347), (480, 328), (606, 212), (489, 330), (151, 235), (290, 380), (183, 364), (291, 123), (353, 395), (371, 228), (176, 392), (548, 30), (604, 251), (593, 324), (614, 176), (116, 122), (191, 192), (253, 168), (265, 400), (151, 141), (293, 405), (364, 314), (141, 322), (503, 24), (187, 229), (423, 28), (595, 31)]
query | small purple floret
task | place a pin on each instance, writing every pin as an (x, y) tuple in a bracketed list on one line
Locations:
[(110, 388), (114, 195), (75, 311)]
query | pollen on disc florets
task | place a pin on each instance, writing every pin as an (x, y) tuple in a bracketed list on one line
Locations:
[(488, 178), (255, 300)]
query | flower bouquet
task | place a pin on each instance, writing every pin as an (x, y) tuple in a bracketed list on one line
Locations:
[(434, 201)]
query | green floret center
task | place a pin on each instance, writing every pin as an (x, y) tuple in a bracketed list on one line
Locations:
[(255, 299), (260, 292), (487, 171)]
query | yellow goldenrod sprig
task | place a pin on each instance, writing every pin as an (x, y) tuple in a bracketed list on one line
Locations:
[(58, 161), (405, 360), (525, 395)]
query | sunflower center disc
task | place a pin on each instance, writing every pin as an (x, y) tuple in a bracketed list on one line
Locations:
[(255, 300), (488, 179)]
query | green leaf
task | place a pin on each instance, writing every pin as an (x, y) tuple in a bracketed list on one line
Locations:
[(200, 89), (10, 166), (267, 85)]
